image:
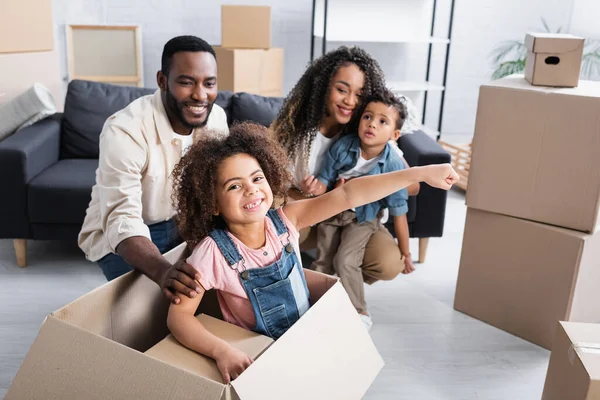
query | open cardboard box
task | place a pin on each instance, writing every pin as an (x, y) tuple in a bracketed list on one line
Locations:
[(93, 348)]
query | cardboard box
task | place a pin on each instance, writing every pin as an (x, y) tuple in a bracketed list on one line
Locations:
[(252, 71), (553, 59), (574, 369), (535, 153), (246, 27), (26, 26), (523, 277), (94, 348)]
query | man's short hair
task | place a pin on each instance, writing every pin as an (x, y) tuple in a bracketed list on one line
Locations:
[(182, 43)]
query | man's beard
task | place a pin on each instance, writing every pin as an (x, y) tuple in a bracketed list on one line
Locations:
[(177, 109)]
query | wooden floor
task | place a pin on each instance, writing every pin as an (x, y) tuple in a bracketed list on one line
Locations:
[(430, 350)]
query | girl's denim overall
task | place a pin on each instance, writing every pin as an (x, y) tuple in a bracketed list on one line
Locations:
[(278, 292)]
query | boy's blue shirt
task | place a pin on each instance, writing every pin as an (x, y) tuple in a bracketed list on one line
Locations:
[(343, 156)]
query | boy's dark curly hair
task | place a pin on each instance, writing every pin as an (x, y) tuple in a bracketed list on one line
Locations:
[(194, 177), (387, 97), (306, 105)]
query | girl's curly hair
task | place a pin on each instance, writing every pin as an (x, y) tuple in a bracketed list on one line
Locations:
[(194, 177), (306, 105)]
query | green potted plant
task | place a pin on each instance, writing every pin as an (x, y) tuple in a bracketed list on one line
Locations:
[(509, 57)]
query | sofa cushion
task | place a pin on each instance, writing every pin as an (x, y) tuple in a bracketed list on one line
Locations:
[(87, 106), (251, 107), (61, 193), (225, 100)]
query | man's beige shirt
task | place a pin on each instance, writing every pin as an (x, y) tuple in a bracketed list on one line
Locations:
[(138, 151)]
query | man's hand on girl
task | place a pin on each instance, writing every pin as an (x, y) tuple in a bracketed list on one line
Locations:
[(180, 279), (231, 363)]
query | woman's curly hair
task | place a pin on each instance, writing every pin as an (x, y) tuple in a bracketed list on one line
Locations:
[(305, 107), (194, 177)]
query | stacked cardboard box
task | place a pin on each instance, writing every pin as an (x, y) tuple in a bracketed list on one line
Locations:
[(245, 59), (531, 249)]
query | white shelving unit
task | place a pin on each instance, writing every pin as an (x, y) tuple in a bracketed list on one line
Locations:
[(409, 22)]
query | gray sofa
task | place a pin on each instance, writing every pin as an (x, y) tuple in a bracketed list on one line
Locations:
[(47, 170)]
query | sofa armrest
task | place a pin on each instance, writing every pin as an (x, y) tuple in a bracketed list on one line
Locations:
[(419, 149), (23, 155)]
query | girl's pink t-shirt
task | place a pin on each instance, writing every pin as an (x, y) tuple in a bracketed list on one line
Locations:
[(216, 273)]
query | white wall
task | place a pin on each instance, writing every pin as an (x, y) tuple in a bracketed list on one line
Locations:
[(583, 22), (479, 25), (584, 18), (161, 20)]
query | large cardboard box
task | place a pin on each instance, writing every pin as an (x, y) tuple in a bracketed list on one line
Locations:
[(246, 27), (535, 153), (574, 369), (553, 59), (94, 348), (251, 70), (523, 277)]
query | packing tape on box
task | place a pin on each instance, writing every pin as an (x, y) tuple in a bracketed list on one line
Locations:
[(583, 347)]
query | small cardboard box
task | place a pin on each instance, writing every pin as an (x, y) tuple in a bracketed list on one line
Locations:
[(252, 71), (535, 153), (246, 27), (523, 277), (553, 59), (574, 369), (94, 348)]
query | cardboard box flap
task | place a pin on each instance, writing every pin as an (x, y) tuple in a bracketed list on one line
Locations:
[(318, 284), (585, 341), (327, 355), (552, 43), (130, 310), (170, 351), (177, 253), (66, 362)]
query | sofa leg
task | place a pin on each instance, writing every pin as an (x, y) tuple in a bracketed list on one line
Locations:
[(21, 252), (423, 243)]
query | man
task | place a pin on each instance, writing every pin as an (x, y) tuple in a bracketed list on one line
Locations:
[(129, 222)]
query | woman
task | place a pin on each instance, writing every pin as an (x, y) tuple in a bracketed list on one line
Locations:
[(323, 105)]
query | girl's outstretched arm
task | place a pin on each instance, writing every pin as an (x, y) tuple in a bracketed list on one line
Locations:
[(364, 190)]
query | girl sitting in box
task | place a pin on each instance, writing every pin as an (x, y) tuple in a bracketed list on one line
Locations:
[(247, 250)]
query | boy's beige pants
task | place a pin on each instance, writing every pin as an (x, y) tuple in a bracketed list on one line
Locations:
[(358, 253)]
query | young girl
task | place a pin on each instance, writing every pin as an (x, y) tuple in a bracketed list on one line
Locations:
[(225, 187)]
